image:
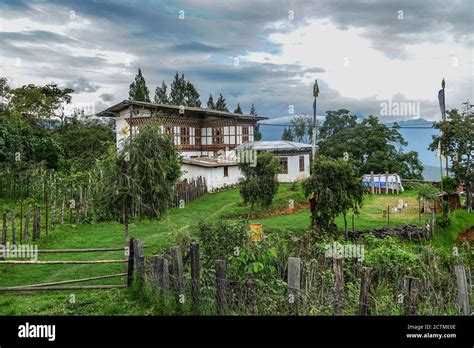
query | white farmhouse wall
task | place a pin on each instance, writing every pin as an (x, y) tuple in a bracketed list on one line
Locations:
[(294, 169), (214, 176)]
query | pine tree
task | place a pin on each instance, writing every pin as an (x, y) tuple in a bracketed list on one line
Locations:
[(220, 104), (138, 90), (191, 96), (257, 135), (238, 110), (253, 111), (178, 90), (210, 103), (161, 95), (287, 134)]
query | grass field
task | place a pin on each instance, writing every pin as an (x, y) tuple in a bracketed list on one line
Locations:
[(158, 236)]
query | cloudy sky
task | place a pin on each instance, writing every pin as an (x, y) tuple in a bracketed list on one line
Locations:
[(363, 53)]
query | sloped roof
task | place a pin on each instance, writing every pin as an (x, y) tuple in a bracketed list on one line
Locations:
[(208, 162), (277, 145), (114, 109)]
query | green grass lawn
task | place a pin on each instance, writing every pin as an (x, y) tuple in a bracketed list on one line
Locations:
[(158, 236)]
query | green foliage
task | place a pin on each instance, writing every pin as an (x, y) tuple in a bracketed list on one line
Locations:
[(456, 140), (210, 103), (372, 145), (161, 94), (221, 104), (221, 239), (238, 109), (390, 259), (258, 259), (287, 134), (146, 180), (138, 89), (302, 128), (444, 219), (260, 184), (336, 187), (427, 192), (449, 184)]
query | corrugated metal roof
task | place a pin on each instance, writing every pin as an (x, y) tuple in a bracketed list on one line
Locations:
[(277, 145)]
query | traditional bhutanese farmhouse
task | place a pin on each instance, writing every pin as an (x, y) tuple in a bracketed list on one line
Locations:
[(201, 135), (294, 157)]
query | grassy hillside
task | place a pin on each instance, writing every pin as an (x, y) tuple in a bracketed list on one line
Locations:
[(158, 236)]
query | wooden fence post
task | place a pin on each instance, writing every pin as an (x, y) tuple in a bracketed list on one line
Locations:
[(21, 221), (53, 215), (410, 297), (294, 282), (364, 291), (37, 223), (139, 261), (27, 223), (386, 183), (339, 285), (372, 184), (161, 274), (12, 219), (252, 291), (220, 266), (5, 228), (396, 183), (61, 213), (379, 189), (463, 289), (131, 261), (388, 216), (195, 276), (178, 281)]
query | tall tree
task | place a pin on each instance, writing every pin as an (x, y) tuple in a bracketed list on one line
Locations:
[(142, 176), (138, 90), (161, 94), (191, 95), (178, 90), (336, 121), (260, 184), (221, 104), (374, 147), (287, 134), (210, 103), (337, 188), (302, 130), (257, 135), (457, 140), (238, 109)]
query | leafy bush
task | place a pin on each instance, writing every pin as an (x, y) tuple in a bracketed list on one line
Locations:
[(221, 239)]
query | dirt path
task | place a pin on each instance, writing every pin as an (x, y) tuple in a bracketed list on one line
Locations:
[(466, 236)]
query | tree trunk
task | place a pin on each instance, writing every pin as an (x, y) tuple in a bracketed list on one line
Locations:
[(345, 225)]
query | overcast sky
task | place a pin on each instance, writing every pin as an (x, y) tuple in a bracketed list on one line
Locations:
[(363, 53)]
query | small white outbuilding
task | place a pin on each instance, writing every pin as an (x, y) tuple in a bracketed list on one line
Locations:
[(294, 157)]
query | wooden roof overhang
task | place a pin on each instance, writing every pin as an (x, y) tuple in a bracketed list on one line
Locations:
[(171, 114)]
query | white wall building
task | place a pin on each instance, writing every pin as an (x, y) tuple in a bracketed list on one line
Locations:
[(294, 157)]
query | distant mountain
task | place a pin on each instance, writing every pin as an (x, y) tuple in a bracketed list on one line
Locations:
[(418, 140)]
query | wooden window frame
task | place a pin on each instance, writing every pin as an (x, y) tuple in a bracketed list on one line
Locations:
[(184, 136), (217, 136), (302, 164), (197, 136), (245, 134), (284, 165)]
